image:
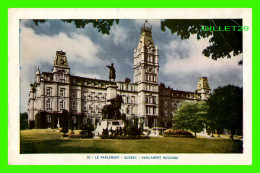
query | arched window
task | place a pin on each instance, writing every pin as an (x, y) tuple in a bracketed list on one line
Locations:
[(73, 94), (74, 105), (132, 99), (62, 104), (62, 92), (49, 91), (48, 104), (61, 74)]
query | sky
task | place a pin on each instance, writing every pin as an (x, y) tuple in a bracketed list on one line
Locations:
[(89, 51)]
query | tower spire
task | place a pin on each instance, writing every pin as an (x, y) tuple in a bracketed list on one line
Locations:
[(61, 59), (146, 24), (146, 69)]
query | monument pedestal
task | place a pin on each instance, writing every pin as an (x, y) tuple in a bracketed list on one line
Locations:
[(111, 91), (111, 112), (108, 124)]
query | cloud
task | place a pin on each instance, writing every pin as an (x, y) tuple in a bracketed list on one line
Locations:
[(118, 35), (184, 60), (36, 48), (40, 50), (186, 56)]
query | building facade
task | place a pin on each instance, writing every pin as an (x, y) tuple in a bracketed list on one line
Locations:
[(145, 101)]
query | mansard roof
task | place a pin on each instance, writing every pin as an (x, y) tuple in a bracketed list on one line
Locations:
[(88, 79)]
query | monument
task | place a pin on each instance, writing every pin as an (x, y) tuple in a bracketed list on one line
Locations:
[(112, 72), (112, 119)]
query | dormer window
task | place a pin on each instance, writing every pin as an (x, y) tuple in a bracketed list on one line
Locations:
[(61, 74)]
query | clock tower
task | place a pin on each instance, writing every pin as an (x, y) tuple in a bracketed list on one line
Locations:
[(61, 70), (146, 69)]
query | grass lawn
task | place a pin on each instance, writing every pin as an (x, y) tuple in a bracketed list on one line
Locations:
[(51, 141)]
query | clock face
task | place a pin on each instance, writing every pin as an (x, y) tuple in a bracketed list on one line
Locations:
[(62, 62)]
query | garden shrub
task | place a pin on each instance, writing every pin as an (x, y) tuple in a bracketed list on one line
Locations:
[(178, 133), (87, 131)]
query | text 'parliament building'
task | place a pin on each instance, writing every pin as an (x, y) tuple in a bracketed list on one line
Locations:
[(144, 101)]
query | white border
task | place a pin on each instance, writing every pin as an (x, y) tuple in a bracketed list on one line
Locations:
[(14, 158)]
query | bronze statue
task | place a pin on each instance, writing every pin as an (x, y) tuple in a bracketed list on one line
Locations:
[(112, 111), (112, 72)]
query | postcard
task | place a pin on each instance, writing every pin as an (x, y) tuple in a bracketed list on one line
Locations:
[(130, 86)]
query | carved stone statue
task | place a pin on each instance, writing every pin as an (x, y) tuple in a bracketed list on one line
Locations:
[(112, 72), (112, 111)]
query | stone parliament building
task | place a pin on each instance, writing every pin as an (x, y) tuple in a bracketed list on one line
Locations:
[(145, 101)]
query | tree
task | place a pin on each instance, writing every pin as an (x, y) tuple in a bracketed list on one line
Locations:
[(65, 122), (222, 44), (87, 130), (225, 109), (190, 116), (23, 121)]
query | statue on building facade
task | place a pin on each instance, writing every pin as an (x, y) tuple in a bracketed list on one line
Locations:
[(112, 72)]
